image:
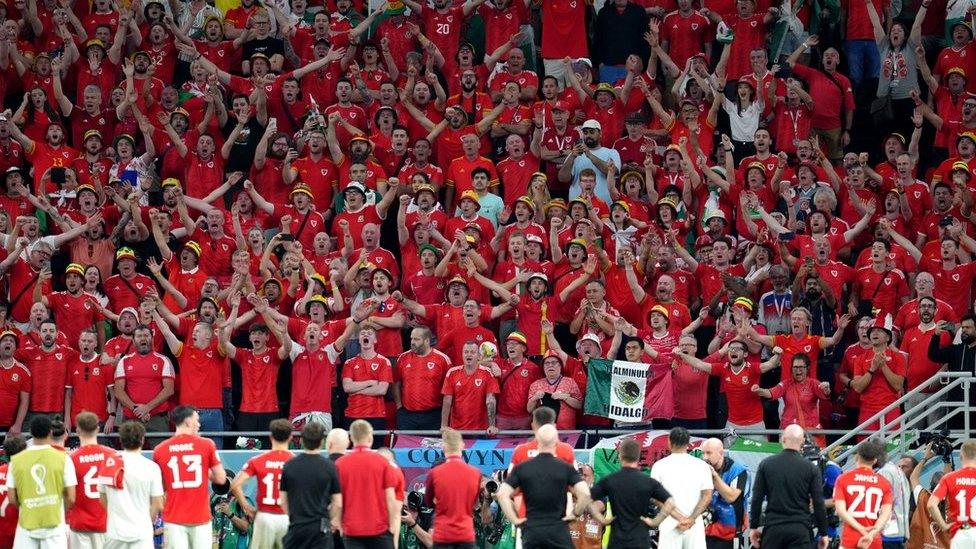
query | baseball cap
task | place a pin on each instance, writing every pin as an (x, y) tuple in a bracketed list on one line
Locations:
[(591, 124)]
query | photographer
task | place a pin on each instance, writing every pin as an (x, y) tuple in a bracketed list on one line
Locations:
[(896, 531), (231, 524), (452, 490), (922, 532), (412, 533), (728, 505), (490, 525)]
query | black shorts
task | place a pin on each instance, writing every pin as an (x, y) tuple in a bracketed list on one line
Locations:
[(382, 541), (547, 537), (307, 537)]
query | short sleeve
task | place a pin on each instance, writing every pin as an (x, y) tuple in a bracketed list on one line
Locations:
[(514, 479), (940, 491), (156, 484), (447, 388), (707, 483), (212, 451), (249, 468), (390, 476), (70, 479), (599, 490), (120, 369), (168, 370), (334, 487)]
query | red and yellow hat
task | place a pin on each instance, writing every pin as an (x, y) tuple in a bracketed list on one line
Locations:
[(518, 337), (125, 252), (301, 188)]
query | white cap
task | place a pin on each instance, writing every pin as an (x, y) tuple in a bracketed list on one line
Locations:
[(592, 124)]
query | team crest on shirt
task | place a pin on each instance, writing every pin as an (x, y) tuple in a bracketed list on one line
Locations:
[(374, 366), (887, 282), (806, 349), (96, 371), (477, 382), (525, 373), (955, 277), (753, 24), (833, 273), (139, 285), (361, 218), (745, 379), (430, 365), (267, 359), (58, 356), (694, 26), (87, 305), (15, 377)]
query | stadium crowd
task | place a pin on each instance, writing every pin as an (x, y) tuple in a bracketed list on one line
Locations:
[(437, 216)]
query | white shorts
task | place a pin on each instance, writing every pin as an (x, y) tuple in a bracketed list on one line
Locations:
[(119, 544), (59, 539), (693, 538), (269, 530), (964, 539), (85, 540), (182, 536), (323, 418)]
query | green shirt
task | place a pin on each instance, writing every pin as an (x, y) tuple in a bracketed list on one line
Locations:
[(39, 474)]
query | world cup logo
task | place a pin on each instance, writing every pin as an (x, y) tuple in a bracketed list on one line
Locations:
[(38, 472)]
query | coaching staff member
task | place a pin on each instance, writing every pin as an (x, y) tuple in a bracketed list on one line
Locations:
[(370, 510), (630, 491), (310, 493), (788, 482), (543, 480), (452, 490)]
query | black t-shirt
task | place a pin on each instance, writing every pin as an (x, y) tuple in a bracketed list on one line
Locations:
[(268, 46), (242, 151), (310, 480), (630, 491), (543, 480)]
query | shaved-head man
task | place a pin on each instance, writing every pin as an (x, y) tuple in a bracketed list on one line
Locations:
[(544, 480), (787, 482), (728, 500)]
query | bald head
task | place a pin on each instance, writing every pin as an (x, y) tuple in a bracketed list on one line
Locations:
[(713, 451), (547, 437), (337, 441), (793, 437)]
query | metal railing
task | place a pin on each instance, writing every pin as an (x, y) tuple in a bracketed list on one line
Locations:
[(906, 425)]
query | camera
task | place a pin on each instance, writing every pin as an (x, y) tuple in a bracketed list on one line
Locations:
[(940, 442), (811, 452)]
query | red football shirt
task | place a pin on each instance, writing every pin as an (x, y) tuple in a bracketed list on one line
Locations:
[(185, 461), (143, 375), (266, 469), (468, 410), (75, 313), (49, 374), (745, 407), (879, 393), (810, 345), (13, 381), (201, 375), (421, 378), (377, 368), (958, 490), (364, 476), (259, 379), (863, 492), (954, 286), (312, 379), (88, 514), (8, 513), (513, 387), (88, 381)]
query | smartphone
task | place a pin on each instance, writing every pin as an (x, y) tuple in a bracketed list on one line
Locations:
[(950, 327), (57, 175), (787, 237)]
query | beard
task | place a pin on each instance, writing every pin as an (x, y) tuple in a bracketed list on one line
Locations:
[(967, 339), (591, 142)]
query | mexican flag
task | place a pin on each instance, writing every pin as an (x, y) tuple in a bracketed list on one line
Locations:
[(630, 392)]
